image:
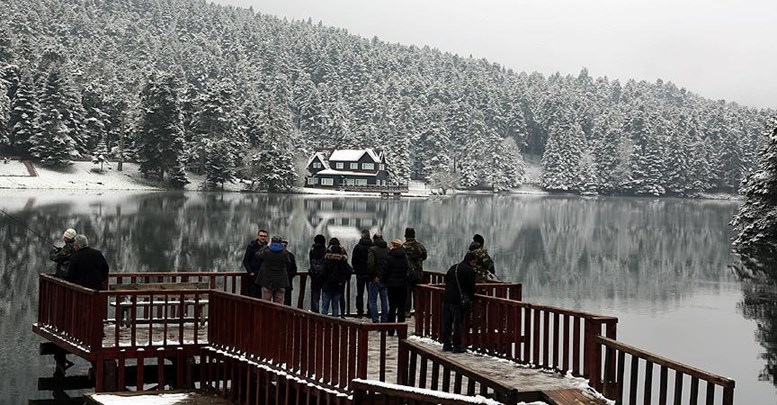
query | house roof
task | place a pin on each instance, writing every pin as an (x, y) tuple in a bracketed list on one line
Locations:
[(352, 155), (333, 172), (320, 157)]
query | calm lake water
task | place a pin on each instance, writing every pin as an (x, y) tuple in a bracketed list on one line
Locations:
[(659, 265)]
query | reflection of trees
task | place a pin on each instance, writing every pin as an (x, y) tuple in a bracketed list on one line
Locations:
[(760, 304)]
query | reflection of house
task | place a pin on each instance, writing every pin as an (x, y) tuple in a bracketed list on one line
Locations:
[(345, 218), (347, 167)]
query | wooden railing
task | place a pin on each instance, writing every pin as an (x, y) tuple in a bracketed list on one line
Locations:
[(622, 383), (543, 336), (513, 291), (71, 312), (330, 350), (428, 369), (232, 282), (372, 393)]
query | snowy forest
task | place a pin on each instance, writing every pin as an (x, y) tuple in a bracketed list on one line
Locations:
[(186, 86)]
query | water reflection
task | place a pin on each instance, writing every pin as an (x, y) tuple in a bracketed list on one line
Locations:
[(648, 254)]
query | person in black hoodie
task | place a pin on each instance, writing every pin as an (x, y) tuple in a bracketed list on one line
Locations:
[(337, 272), (359, 264), (272, 275), (394, 277), (291, 270), (459, 280), (252, 263), (376, 259), (316, 271), (88, 267)]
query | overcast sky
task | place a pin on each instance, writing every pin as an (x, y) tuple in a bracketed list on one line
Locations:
[(719, 49)]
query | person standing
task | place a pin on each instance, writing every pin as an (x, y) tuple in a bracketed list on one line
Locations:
[(459, 281), (88, 267), (395, 279), (61, 256), (316, 271), (376, 261), (252, 263), (272, 275), (484, 267), (359, 264), (291, 271), (416, 253), (337, 272)]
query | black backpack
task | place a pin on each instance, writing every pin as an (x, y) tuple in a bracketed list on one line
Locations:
[(317, 266)]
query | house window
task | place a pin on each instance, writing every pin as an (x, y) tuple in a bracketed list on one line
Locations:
[(361, 182), (327, 181), (312, 181), (339, 165), (316, 165), (354, 166), (368, 166), (382, 167), (349, 182)]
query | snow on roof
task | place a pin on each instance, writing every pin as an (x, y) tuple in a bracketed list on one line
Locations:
[(320, 156), (352, 155), (333, 172)]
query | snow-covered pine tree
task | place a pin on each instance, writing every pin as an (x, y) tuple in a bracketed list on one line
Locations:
[(647, 160), (756, 221), (5, 110), (160, 141), (25, 110), (219, 167), (562, 156), (611, 164), (53, 145), (508, 168), (214, 120), (100, 154)]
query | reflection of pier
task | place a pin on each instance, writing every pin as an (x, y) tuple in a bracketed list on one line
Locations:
[(384, 191), (345, 218)]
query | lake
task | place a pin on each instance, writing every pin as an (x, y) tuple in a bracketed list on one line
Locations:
[(659, 265)]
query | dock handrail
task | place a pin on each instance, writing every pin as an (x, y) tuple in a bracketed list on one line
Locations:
[(615, 385), (70, 311)]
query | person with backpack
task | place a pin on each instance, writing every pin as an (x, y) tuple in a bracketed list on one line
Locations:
[(337, 272), (394, 277), (316, 271), (359, 264), (376, 259), (416, 253), (459, 295)]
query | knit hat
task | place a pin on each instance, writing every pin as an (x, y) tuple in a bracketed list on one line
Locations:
[(479, 239), (377, 236), (276, 239), (410, 232), (70, 233), (320, 239)]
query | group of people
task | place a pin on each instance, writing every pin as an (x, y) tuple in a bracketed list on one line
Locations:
[(271, 268), (78, 263)]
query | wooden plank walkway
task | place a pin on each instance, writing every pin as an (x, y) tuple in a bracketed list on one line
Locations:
[(184, 398)]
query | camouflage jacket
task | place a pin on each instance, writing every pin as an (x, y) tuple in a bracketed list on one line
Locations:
[(61, 256), (416, 253), (484, 265)]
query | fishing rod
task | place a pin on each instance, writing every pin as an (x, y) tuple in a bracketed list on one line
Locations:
[(28, 228)]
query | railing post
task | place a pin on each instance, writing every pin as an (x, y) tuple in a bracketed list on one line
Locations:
[(402, 356), (99, 311), (592, 353)]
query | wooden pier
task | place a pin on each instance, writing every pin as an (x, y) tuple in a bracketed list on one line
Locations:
[(197, 331)]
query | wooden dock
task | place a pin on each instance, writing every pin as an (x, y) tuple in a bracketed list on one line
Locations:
[(207, 335)]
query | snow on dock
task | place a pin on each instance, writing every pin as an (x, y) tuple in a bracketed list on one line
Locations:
[(126, 398)]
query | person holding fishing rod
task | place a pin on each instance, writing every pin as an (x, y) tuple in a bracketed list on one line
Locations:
[(61, 255)]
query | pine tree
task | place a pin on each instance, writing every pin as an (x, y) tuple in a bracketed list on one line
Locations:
[(100, 154), (756, 221), (25, 110), (5, 110), (160, 142), (219, 168), (53, 145)]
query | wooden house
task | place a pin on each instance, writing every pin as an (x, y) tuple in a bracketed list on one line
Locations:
[(346, 167)]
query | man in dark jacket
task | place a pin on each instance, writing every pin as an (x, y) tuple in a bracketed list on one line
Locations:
[(376, 260), (316, 271), (252, 263), (272, 275), (359, 264), (484, 265), (61, 256), (394, 277), (291, 270), (459, 281), (416, 253), (88, 267), (337, 272)]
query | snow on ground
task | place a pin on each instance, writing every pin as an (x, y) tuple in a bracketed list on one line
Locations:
[(159, 399), (13, 168)]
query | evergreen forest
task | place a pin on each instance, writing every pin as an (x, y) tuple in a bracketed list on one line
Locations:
[(184, 86)]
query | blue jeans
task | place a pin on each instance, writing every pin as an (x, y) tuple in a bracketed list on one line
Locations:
[(374, 290), (333, 299)]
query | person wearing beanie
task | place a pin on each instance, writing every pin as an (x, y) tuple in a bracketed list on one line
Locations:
[(484, 267), (252, 262), (394, 277), (359, 264), (459, 281), (416, 253), (61, 256), (316, 271), (273, 277), (376, 260)]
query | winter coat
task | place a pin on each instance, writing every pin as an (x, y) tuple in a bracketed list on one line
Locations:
[(484, 265), (395, 269), (359, 258), (61, 256), (291, 267), (376, 259), (466, 276), (337, 271), (316, 255), (416, 253), (88, 268), (272, 274), (251, 261)]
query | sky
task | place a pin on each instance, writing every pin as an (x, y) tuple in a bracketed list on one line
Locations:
[(720, 49)]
